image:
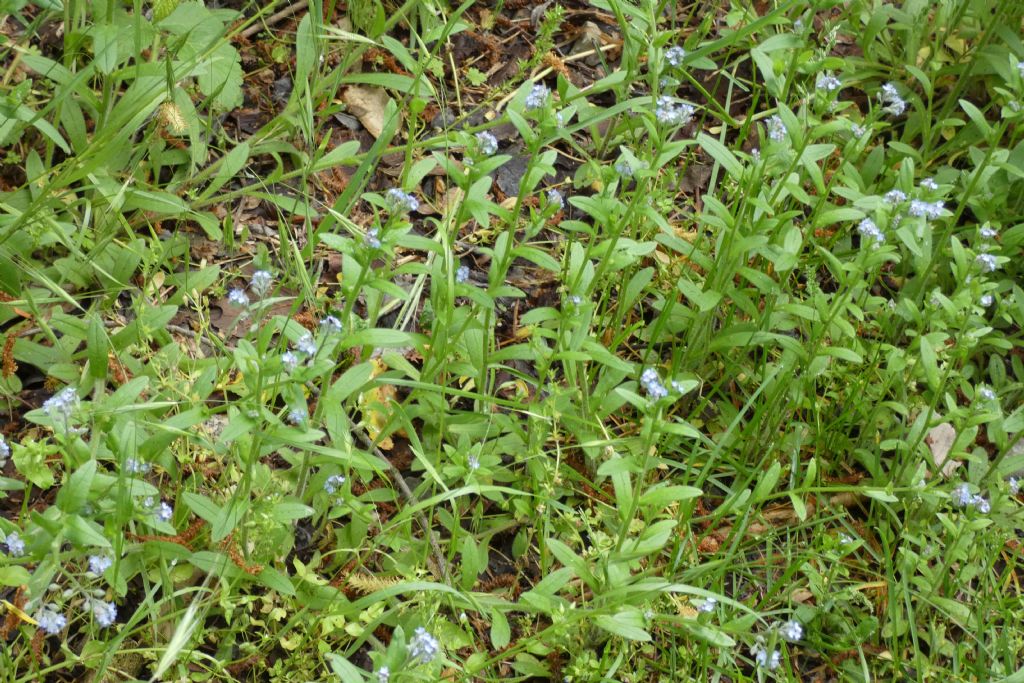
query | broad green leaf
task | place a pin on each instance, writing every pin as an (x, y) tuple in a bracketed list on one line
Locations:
[(627, 623)]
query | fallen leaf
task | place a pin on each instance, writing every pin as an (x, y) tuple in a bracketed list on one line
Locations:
[(368, 105), (940, 441)]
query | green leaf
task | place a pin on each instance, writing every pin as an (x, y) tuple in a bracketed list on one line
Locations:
[(766, 484), (663, 495), (721, 154), (232, 162), (75, 490), (14, 575), (501, 634), (84, 532), (287, 512), (929, 362), (98, 346), (276, 581), (104, 47), (344, 670), (627, 623), (220, 78)]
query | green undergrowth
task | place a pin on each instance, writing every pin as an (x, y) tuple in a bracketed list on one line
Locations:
[(425, 341)]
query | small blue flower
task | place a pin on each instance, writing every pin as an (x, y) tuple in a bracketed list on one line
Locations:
[(962, 495), (260, 282), (59, 407), (238, 297), (334, 484), (987, 394), (987, 263), (924, 209), (297, 416), (306, 345), (895, 196), (675, 55), (1020, 68), (652, 384), (402, 202), (100, 563), (473, 463), (929, 184), (423, 646), (858, 131), (1014, 484), (538, 97), (988, 233), (981, 503), (134, 466), (707, 605), (5, 450), (671, 113), (462, 274), (765, 659), (15, 545), (50, 620), (330, 325), (890, 97), (371, 239), (105, 612), (164, 512), (289, 360), (776, 128), (827, 82), (624, 169), (869, 230), (487, 143), (792, 630), (555, 197), (986, 300), (383, 674)]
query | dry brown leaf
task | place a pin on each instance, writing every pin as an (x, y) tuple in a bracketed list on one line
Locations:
[(940, 441), (368, 105)]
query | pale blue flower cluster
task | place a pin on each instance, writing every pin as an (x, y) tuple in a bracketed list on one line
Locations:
[(5, 450), (372, 238), (60, 406), (776, 128), (929, 184), (652, 384), (963, 498), (290, 361), (402, 202), (987, 263), (792, 630), (675, 55), (383, 674), (708, 605), (890, 97), (238, 297), (163, 512), (334, 484), (306, 345), (473, 463), (555, 197), (987, 394), (986, 300), (104, 612), (827, 82), (100, 563), (50, 620), (423, 646), (1014, 484), (331, 325), (672, 113), (765, 659), (486, 143), (895, 196), (260, 282), (869, 230), (538, 97), (462, 274), (297, 416), (923, 209), (988, 232), (135, 466), (15, 544)]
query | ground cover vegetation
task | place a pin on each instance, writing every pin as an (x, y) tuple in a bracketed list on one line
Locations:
[(577, 340)]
